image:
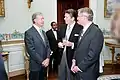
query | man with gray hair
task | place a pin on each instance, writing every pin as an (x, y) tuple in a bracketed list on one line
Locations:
[(85, 63), (37, 46)]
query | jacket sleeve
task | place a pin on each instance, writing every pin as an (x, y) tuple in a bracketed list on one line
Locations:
[(47, 46)]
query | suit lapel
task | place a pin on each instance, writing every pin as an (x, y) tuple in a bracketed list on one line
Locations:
[(52, 34), (85, 34), (64, 30), (72, 32), (45, 37), (38, 35)]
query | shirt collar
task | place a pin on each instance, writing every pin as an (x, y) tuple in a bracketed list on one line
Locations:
[(86, 27), (72, 25), (53, 29), (36, 27)]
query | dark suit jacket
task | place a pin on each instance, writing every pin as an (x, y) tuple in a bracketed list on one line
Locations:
[(52, 40), (53, 46), (36, 48), (73, 38), (88, 52)]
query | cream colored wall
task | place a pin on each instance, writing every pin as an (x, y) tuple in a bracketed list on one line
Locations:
[(98, 9), (18, 16)]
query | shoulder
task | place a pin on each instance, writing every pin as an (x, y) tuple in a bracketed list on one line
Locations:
[(77, 26), (50, 30), (30, 30), (96, 29)]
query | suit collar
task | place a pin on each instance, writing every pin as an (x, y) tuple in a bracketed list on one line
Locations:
[(73, 31), (84, 35), (52, 33), (37, 34)]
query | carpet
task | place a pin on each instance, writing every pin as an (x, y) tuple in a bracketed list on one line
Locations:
[(109, 77)]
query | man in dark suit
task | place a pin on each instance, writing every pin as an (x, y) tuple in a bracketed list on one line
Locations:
[(69, 33), (37, 46), (86, 57), (52, 37)]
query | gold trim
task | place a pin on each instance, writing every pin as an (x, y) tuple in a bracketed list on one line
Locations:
[(109, 38), (2, 8), (107, 61), (105, 8), (29, 4), (15, 73), (12, 42)]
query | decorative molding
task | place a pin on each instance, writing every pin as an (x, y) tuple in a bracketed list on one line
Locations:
[(12, 42), (29, 3), (15, 73), (10, 36), (107, 61), (2, 8)]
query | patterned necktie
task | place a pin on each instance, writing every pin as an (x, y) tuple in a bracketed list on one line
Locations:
[(81, 35), (41, 34), (67, 33)]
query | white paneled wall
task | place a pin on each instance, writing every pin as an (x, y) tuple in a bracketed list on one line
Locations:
[(16, 57)]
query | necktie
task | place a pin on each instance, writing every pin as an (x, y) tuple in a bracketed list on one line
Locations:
[(81, 35), (41, 34), (68, 33)]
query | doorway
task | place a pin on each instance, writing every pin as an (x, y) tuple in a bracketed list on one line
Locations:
[(63, 5)]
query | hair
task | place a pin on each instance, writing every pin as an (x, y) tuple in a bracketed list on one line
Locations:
[(115, 24), (88, 11), (35, 15), (52, 23), (72, 13)]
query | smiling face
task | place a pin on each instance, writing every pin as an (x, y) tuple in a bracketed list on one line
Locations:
[(82, 18), (68, 19), (85, 15), (39, 21), (54, 25)]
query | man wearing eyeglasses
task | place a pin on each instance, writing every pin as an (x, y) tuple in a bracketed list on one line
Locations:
[(85, 63)]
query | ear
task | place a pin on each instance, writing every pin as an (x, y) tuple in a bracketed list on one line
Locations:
[(73, 18), (34, 20)]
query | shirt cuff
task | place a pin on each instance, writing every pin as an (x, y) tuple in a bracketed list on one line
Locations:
[(80, 69), (72, 46)]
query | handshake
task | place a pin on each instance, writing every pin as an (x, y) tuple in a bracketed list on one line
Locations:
[(65, 43)]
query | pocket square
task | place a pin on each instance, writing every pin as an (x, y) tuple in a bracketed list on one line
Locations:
[(76, 34)]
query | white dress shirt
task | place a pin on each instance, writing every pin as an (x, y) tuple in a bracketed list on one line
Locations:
[(69, 30), (85, 28), (38, 29), (55, 34)]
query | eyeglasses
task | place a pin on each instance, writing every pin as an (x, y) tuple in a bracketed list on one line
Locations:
[(82, 16)]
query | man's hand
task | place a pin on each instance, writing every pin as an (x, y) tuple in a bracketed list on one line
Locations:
[(60, 45), (68, 43), (73, 65), (76, 69), (45, 63)]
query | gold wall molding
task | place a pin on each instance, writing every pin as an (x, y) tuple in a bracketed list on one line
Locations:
[(12, 42), (107, 61), (2, 8), (29, 3), (15, 73)]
